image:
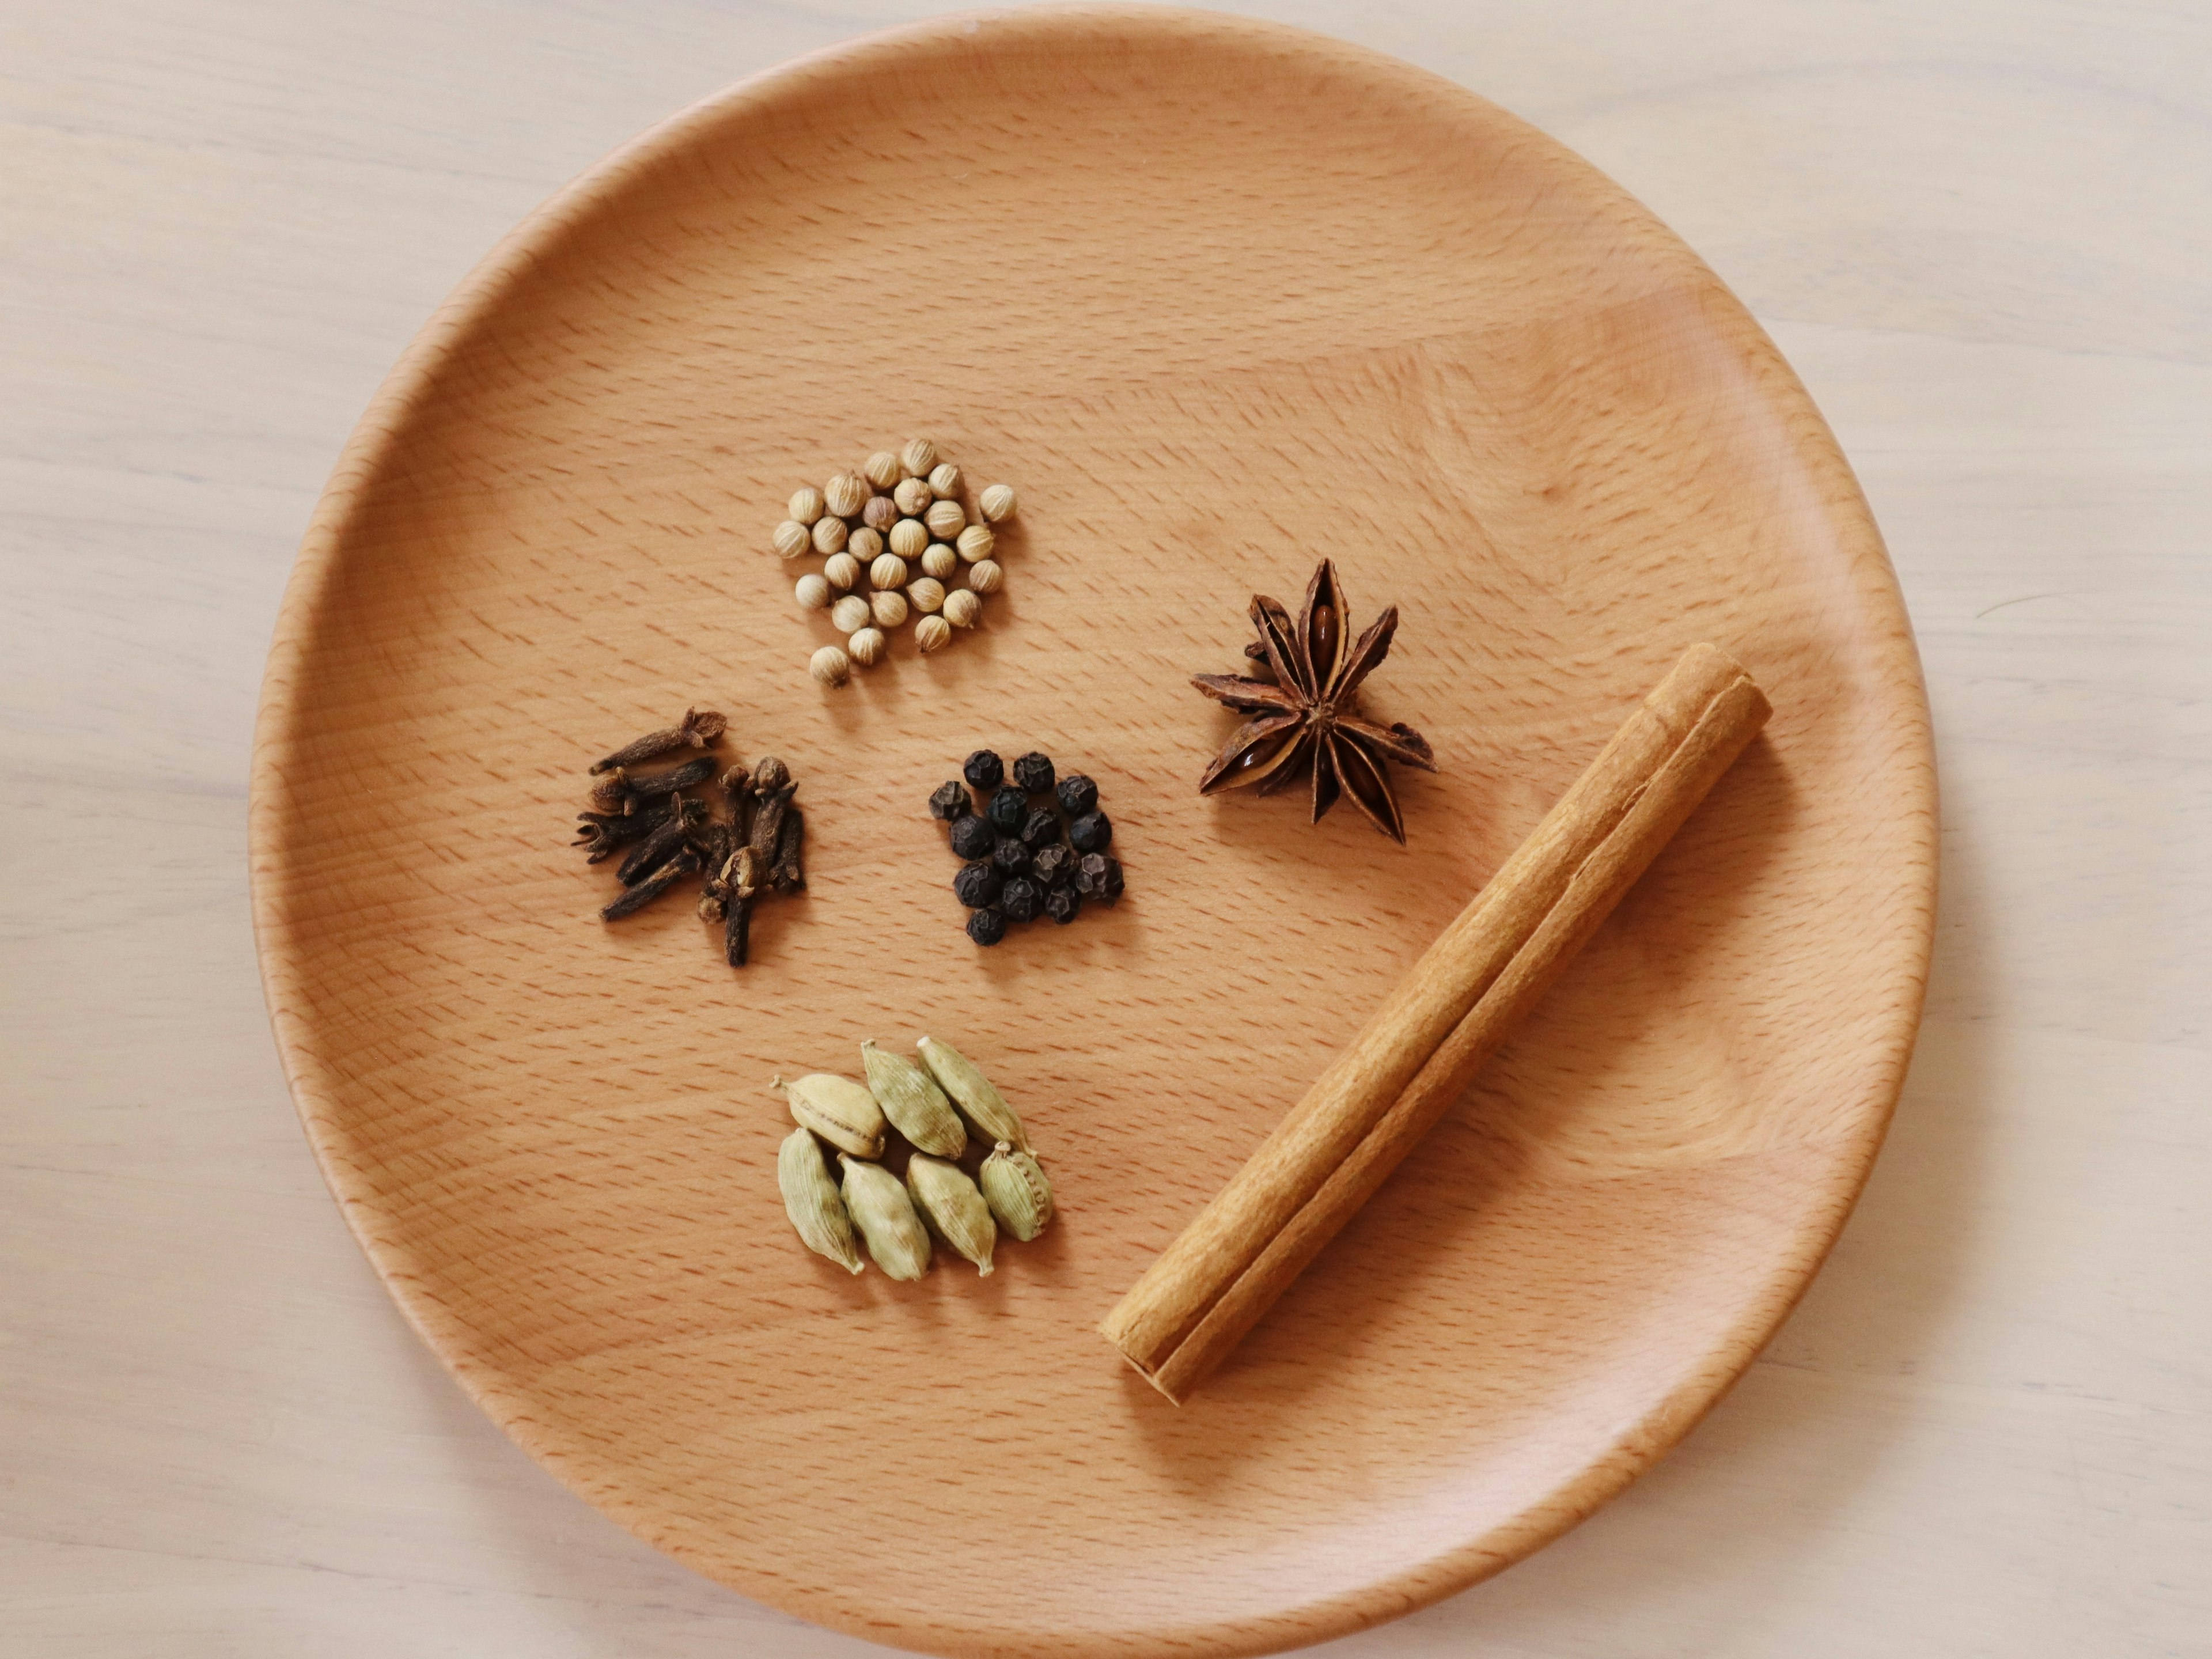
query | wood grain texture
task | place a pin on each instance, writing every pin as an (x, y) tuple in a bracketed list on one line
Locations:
[(1982, 234), (1517, 405)]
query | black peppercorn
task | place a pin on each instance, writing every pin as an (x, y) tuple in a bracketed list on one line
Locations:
[(1007, 810), (1063, 904), (1053, 866), (972, 837), (1099, 877), (1033, 772), (1041, 828), (1077, 795), (1020, 900), (988, 926), (977, 885), (950, 802), (1009, 857), (1091, 833), (984, 769)]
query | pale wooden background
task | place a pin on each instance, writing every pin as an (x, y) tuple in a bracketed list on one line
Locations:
[(1984, 233)]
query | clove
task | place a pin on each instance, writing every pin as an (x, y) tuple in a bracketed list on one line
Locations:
[(673, 830), (633, 899), (604, 832), (788, 874), (733, 784), (740, 884), (611, 793), (772, 789), (699, 728), (715, 845), (630, 789)]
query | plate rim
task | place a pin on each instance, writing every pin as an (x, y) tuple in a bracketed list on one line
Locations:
[(1450, 1568)]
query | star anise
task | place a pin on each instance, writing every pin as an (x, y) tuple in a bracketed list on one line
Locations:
[(1307, 720)]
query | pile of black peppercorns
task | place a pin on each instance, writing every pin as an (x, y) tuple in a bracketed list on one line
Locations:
[(1022, 861)]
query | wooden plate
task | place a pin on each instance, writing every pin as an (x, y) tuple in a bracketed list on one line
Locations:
[(1219, 298)]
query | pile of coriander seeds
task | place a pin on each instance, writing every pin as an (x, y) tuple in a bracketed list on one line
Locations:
[(873, 530)]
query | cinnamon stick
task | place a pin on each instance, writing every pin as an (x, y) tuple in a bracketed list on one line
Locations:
[(1422, 1048)]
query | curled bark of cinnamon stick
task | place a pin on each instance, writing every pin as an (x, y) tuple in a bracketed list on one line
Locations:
[(1423, 1047)]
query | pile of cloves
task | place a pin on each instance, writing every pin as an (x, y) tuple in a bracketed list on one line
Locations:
[(755, 847)]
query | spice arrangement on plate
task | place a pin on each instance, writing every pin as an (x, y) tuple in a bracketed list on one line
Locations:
[(1302, 697), (668, 832), (1035, 844), (893, 538), (939, 1111)]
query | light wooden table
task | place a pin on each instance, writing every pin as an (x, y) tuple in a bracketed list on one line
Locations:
[(1983, 232)]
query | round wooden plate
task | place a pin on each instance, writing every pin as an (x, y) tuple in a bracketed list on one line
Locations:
[(1219, 298)]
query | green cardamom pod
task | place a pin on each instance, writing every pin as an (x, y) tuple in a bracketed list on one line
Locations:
[(842, 1112), (915, 1105), (811, 1200), (953, 1208), (886, 1216), (1015, 1188), (983, 1106)]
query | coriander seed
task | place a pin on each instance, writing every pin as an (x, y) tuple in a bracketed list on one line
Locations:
[(946, 519), (868, 647), (830, 534), (925, 594), (909, 537), (881, 513), (883, 470), (963, 608), (888, 607), (997, 503), (806, 505), (849, 614), (985, 576), (920, 455), (888, 570), (812, 592), (977, 542), (841, 571), (863, 545), (944, 480), (932, 634), (830, 667), (846, 494), (938, 561), (912, 496), (791, 538)]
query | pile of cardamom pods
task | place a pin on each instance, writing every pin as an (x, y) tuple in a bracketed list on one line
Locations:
[(936, 1106)]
